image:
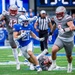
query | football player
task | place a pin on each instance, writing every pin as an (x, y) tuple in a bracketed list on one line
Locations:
[(22, 34), (11, 18), (22, 11), (44, 61), (20, 20), (65, 39)]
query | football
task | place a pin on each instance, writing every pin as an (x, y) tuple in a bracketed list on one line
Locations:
[(22, 31), (19, 32)]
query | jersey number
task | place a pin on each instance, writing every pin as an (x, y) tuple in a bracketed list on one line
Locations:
[(12, 22), (26, 37)]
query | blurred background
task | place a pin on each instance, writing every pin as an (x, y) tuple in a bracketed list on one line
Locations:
[(33, 7)]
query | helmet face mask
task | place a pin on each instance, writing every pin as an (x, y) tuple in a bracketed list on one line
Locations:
[(60, 12), (25, 23), (23, 20), (13, 12), (13, 9), (60, 15)]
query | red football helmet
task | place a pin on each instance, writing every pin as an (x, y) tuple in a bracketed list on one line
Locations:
[(13, 10), (47, 61), (60, 12)]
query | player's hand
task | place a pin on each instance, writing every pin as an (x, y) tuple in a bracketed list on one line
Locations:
[(35, 17), (50, 38), (37, 30), (5, 12), (61, 31), (41, 39)]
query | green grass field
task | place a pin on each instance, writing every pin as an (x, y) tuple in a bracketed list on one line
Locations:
[(6, 56)]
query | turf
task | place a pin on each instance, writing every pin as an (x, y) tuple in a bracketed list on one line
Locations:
[(6, 56)]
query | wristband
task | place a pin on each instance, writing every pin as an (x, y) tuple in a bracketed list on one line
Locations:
[(66, 29), (37, 38)]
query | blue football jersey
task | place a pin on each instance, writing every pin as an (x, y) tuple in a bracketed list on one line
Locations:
[(26, 39)]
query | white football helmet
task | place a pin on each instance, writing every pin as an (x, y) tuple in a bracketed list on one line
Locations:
[(23, 20), (22, 10), (13, 10), (60, 12)]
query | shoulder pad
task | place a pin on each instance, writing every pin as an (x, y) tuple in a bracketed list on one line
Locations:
[(5, 13)]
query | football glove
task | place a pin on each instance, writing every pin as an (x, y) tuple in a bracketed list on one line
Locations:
[(50, 38)]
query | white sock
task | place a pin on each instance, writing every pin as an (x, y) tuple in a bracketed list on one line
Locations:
[(15, 53), (41, 54), (54, 62), (37, 66), (70, 64)]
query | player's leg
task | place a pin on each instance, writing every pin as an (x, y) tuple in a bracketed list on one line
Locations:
[(28, 54), (41, 42), (20, 52), (42, 53), (14, 50), (33, 58), (41, 45), (56, 47), (46, 43), (68, 49), (18, 47)]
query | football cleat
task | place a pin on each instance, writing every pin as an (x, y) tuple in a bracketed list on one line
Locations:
[(53, 66), (69, 69), (20, 53), (38, 68), (32, 67), (18, 66)]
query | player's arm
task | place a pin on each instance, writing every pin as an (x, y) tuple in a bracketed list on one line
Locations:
[(70, 24), (2, 17), (18, 32), (36, 37), (19, 35), (52, 29), (50, 23), (16, 35), (32, 19), (36, 24)]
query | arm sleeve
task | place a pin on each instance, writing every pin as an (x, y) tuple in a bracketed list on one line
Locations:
[(37, 20), (69, 18), (1, 16)]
